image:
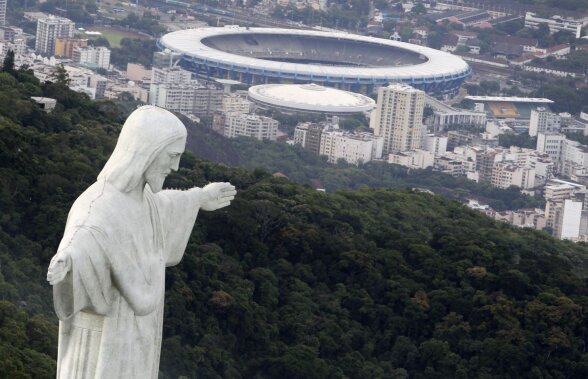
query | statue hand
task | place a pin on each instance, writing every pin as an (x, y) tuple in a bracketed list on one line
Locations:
[(217, 195), (58, 268)]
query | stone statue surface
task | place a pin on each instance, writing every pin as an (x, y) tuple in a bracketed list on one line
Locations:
[(108, 275)]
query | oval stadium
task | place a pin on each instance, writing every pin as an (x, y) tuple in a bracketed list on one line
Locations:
[(348, 61)]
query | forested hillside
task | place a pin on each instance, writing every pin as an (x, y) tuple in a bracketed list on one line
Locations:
[(289, 282)]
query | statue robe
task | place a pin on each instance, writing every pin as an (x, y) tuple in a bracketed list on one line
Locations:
[(110, 305)]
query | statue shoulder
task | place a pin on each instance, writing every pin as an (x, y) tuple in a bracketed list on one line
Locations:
[(100, 204)]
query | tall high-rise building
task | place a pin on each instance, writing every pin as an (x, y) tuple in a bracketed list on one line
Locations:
[(2, 12), (543, 121), (398, 118), (49, 29)]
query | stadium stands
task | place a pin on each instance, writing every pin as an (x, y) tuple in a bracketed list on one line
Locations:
[(313, 49)]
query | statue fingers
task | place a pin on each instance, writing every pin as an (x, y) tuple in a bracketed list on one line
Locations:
[(229, 191), (55, 276), (223, 204)]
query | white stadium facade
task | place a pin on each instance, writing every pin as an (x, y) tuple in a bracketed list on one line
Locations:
[(336, 59)]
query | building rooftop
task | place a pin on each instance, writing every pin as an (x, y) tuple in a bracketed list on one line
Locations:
[(510, 99), (311, 98)]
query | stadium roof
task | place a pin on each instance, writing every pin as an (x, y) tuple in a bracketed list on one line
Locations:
[(311, 98), (439, 64), (510, 99)]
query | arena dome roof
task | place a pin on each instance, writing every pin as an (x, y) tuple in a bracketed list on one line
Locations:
[(310, 98)]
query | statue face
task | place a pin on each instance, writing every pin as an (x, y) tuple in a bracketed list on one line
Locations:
[(167, 161)]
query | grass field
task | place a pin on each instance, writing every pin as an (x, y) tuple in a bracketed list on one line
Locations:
[(114, 36)]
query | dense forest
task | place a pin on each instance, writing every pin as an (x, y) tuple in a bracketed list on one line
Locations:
[(289, 282)]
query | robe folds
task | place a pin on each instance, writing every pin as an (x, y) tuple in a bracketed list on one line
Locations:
[(110, 304)]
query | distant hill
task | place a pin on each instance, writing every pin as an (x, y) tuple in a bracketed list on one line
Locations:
[(289, 282)]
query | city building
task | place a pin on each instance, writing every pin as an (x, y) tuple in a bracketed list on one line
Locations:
[(445, 115), (506, 174), (552, 144), (308, 135), (170, 75), (327, 139), (354, 148), (451, 164), (166, 77), (417, 158), (524, 218), (165, 59), (45, 103), (436, 144), (555, 23), (9, 33), (17, 45), (398, 118), (564, 218), (138, 73), (3, 12), (188, 98), (95, 57), (49, 29), (542, 120), (64, 46), (235, 103), (251, 125)]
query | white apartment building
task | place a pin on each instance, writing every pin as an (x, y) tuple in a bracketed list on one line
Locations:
[(48, 29), (574, 159), (543, 121), (551, 144), (251, 125), (18, 46), (300, 133), (570, 219), (570, 157), (507, 174), (235, 103), (398, 117), (177, 98), (188, 98), (413, 159), (455, 164), (559, 190), (555, 23), (436, 144), (544, 168), (170, 75), (92, 56), (354, 148)]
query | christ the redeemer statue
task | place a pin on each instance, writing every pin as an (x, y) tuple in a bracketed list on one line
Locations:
[(108, 274)]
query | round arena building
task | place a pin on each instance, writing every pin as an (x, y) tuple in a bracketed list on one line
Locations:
[(336, 59), (310, 98)]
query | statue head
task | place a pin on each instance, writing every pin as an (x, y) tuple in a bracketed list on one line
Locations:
[(148, 149)]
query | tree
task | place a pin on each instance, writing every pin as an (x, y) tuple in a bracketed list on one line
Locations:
[(60, 75), (8, 64), (419, 9)]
